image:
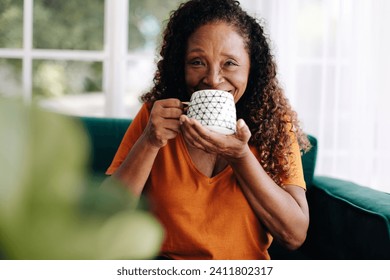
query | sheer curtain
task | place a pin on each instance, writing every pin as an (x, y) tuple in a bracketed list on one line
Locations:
[(334, 65)]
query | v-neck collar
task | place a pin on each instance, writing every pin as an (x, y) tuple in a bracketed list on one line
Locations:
[(191, 163)]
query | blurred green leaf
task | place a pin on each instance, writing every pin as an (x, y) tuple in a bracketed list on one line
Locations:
[(50, 208)]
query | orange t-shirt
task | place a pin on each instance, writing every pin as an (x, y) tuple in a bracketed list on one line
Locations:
[(204, 218)]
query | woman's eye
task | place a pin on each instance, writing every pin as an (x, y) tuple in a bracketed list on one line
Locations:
[(196, 62), (231, 63)]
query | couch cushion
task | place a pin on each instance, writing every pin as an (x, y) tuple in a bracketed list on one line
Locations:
[(348, 221)]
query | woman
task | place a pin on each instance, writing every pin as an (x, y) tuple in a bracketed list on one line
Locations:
[(218, 196)]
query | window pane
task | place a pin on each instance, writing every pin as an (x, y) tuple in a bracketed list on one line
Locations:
[(70, 24), (53, 78), (11, 77), (146, 20), (11, 23)]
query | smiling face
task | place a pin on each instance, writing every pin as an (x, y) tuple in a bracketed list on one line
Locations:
[(216, 58)]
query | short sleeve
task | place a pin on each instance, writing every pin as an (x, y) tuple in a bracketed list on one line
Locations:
[(296, 170), (296, 175)]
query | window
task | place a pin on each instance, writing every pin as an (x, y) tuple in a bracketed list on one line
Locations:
[(90, 59)]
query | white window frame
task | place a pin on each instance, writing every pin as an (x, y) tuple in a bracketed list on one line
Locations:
[(114, 55)]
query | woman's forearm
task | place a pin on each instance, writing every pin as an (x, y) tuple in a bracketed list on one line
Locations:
[(284, 212), (135, 169)]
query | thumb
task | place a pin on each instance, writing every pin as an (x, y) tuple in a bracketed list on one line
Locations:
[(243, 132)]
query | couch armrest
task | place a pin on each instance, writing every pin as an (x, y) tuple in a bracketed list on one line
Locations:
[(347, 221)]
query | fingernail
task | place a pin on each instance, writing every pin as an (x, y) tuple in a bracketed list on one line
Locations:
[(240, 123)]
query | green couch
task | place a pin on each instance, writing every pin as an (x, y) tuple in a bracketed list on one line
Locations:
[(347, 221)]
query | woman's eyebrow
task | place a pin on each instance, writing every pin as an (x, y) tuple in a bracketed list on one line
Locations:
[(199, 50), (196, 50), (236, 57)]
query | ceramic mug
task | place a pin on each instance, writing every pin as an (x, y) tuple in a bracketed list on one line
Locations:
[(214, 109)]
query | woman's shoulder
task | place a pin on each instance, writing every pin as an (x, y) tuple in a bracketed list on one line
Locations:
[(143, 113)]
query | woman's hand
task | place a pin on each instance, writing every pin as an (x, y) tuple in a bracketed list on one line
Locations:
[(164, 122), (229, 146)]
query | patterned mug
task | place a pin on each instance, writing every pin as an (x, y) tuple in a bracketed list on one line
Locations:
[(214, 109)]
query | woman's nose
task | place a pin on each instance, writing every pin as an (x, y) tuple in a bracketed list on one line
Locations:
[(213, 77)]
